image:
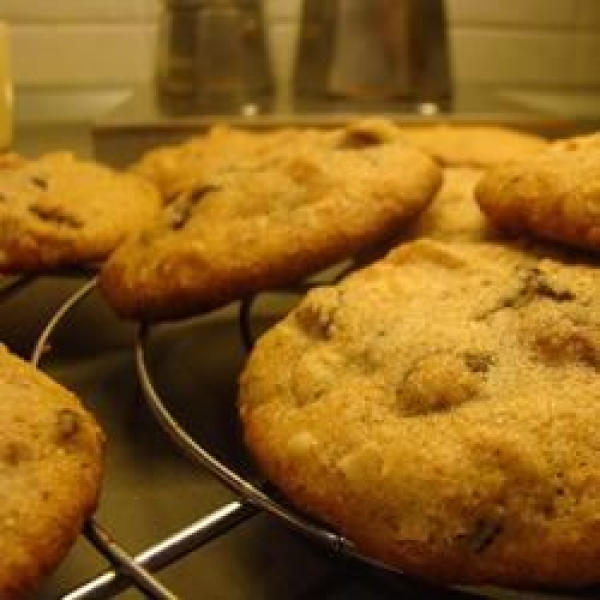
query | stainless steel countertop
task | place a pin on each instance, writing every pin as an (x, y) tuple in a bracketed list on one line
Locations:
[(144, 119)]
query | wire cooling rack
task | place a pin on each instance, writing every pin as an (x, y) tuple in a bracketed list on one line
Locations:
[(252, 495)]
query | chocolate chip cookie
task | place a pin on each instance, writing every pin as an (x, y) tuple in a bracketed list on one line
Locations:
[(50, 472), (440, 408), (267, 222), (555, 194), (57, 210)]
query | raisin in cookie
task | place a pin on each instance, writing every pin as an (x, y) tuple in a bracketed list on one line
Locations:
[(57, 210), (474, 146), (50, 471), (440, 408), (555, 194), (268, 222)]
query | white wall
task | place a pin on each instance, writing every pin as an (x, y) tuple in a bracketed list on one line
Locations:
[(535, 43)]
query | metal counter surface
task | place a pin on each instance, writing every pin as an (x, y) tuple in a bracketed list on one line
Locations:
[(144, 119)]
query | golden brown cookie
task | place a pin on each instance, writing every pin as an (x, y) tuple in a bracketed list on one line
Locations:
[(440, 409), (58, 210), (50, 472), (268, 222), (555, 194), (472, 145), (454, 213)]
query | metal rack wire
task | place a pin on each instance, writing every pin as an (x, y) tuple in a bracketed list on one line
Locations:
[(139, 571), (127, 570), (11, 285), (124, 566)]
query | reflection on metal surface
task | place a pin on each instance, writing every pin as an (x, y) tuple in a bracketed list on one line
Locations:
[(242, 486), (106, 545), (42, 344), (166, 552)]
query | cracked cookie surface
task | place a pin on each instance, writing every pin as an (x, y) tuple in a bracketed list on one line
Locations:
[(268, 222), (60, 211), (440, 408), (51, 454)]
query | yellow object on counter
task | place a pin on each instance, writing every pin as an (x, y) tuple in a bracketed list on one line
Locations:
[(6, 93)]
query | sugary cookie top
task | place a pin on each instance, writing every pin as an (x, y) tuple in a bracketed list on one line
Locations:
[(447, 397)]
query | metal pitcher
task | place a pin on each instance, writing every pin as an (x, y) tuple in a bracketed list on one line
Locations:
[(373, 49)]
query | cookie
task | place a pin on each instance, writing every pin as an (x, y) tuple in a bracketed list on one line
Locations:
[(51, 453), (454, 213), (474, 146), (269, 222), (57, 210), (555, 194), (440, 409)]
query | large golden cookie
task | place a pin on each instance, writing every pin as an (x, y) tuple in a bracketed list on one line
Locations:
[(441, 409), (268, 222)]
